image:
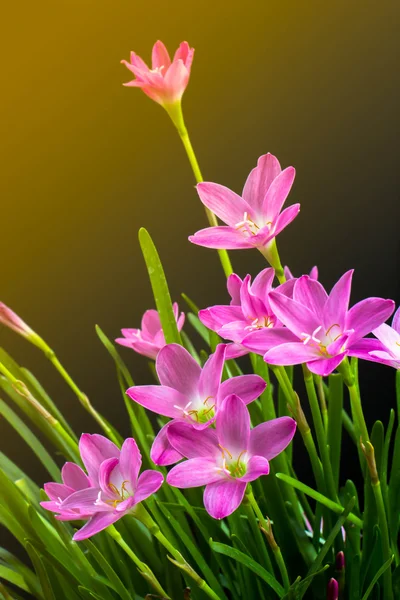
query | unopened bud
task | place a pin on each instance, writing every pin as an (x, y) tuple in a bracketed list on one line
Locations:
[(333, 590)]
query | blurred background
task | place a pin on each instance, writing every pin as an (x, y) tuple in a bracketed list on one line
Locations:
[(85, 162)]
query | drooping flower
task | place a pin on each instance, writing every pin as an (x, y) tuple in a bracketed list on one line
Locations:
[(190, 393), (166, 81), (389, 337), (115, 486), (149, 340), (288, 273), (226, 458), (253, 219), (248, 311), (324, 330)]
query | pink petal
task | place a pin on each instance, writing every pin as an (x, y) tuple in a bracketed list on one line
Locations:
[(57, 491), (277, 194), (130, 461), (235, 351), (298, 318), (247, 387), (74, 477), (292, 353), (396, 320), (83, 500), (256, 467), (176, 79), (310, 293), (233, 425), (160, 57), (252, 306), (286, 217), (151, 323), (96, 524), (388, 336), (194, 472), (149, 483), (262, 340), (138, 62), (162, 452), (227, 238), (336, 307), (211, 373), (217, 316), (228, 206), (362, 348), (222, 498), (326, 366), (140, 346), (106, 470), (234, 284), (260, 180), (288, 273), (193, 443), (286, 288), (177, 369), (314, 273), (262, 284), (95, 448), (368, 314), (160, 399), (271, 438), (234, 331), (185, 53)]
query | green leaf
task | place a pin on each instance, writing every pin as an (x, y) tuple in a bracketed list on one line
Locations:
[(160, 288), (201, 329), (111, 349), (13, 577), (378, 574), (40, 571), (335, 407), (113, 578), (251, 564), (353, 578)]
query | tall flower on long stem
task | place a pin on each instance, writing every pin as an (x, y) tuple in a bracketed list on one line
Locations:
[(325, 330), (226, 458), (190, 393), (254, 219)]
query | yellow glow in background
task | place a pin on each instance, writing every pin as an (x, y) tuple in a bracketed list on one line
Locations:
[(86, 162)]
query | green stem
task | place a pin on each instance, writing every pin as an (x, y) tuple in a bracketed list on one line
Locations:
[(249, 511), (143, 516), (322, 400), (270, 252), (355, 400), (176, 114), (143, 568), (266, 526)]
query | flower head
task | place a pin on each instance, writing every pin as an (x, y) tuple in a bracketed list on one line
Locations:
[(322, 327), (389, 337), (255, 218), (149, 340), (112, 488), (248, 311), (190, 393), (14, 322), (226, 458), (166, 81)]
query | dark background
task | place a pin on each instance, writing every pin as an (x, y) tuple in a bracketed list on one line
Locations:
[(85, 162)]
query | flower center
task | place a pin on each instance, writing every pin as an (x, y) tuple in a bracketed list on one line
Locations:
[(121, 494), (233, 466), (203, 411), (157, 70), (247, 226), (260, 323)]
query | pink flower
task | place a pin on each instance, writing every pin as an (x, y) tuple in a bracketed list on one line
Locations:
[(253, 219), (248, 311), (149, 340), (166, 81), (322, 327), (111, 489), (226, 458), (190, 393), (289, 275), (389, 337), (13, 321), (333, 590)]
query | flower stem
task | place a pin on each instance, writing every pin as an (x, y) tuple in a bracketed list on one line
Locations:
[(270, 252), (143, 516), (176, 114), (265, 526), (143, 568)]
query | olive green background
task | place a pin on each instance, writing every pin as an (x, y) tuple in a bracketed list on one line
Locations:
[(85, 162)]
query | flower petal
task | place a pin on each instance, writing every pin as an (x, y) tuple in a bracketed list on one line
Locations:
[(262, 340), (222, 498), (185, 53), (257, 466), (177, 369), (228, 206), (97, 523), (160, 399), (95, 448), (260, 180), (211, 373), (84, 500), (292, 353), (151, 323), (396, 320), (367, 315), (160, 57), (326, 366), (310, 293), (162, 452), (149, 482), (194, 472), (226, 238), (252, 306), (387, 335), (140, 346), (270, 438), (298, 318), (234, 283), (176, 79), (262, 284), (217, 316), (277, 194), (285, 218), (247, 387), (74, 477), (336, 306), (233, 424), (130, 461), (191, 442), (58, 491)]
